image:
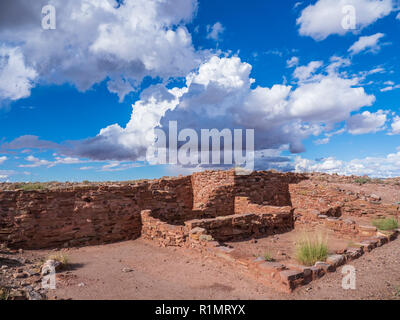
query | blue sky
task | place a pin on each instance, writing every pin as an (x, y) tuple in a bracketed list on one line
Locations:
[(66, 94)]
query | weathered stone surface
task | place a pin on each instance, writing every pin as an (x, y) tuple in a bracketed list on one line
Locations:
[(367, 245), (270, 267), (291, 275), (325, 266), (336, 260), (354, 252)]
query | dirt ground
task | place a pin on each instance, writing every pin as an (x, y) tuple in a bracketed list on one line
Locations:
[(281, 247), (140, 270)]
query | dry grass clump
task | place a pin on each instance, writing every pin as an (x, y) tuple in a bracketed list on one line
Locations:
[(61, 258), (311, 249), (386, 223), (268, 257), (31, 186)]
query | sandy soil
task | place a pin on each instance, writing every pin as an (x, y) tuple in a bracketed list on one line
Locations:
[(281, 247), (176, 273)]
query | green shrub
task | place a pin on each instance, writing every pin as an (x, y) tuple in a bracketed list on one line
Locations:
[(311, 249), (268, 257), (4, 293), (31, 186), (362, 180), (386, 224)]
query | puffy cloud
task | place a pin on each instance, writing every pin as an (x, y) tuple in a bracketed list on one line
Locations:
[(367, 122), (368, 42), (36, 162), (2, 159), (381, 167), (328, 136), (325, 17), (395, 125), (292, 62), (329, 100), (305, 72), (16, 79), (85, 47), (322, 141), (214, 32), (220, 95)]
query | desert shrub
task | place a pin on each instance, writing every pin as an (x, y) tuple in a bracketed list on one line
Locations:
[(386, 223), (62, 258), (4, 293), (311, 249), (362, 180), (31, 186), (268, 257)]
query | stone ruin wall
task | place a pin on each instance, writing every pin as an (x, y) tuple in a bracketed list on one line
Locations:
[(84, 215), (89, 215)]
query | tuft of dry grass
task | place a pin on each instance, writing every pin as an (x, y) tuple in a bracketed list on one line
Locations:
[(311, 249), (386, 223), (268, 257), (4, 293), (60, 257), (31, 186)]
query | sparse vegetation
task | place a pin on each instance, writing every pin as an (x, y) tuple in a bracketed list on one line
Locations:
[(397, 291), (311, 249), (62, 258), (362, 180), (31, 186), (268, 257), (4, 293), (386, 223)]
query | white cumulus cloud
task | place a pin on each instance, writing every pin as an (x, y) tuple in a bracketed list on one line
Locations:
[(381, 167), (395, 125), (370, 43), (16, 79), (85, 48), (324, 18), (292, 62), (214, 32), (367, 122), (219, 95)]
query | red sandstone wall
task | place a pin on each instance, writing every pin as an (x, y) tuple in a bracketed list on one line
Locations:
[(80, 215), (242, 226), (213, 193), (265, 187), (89, 215)]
